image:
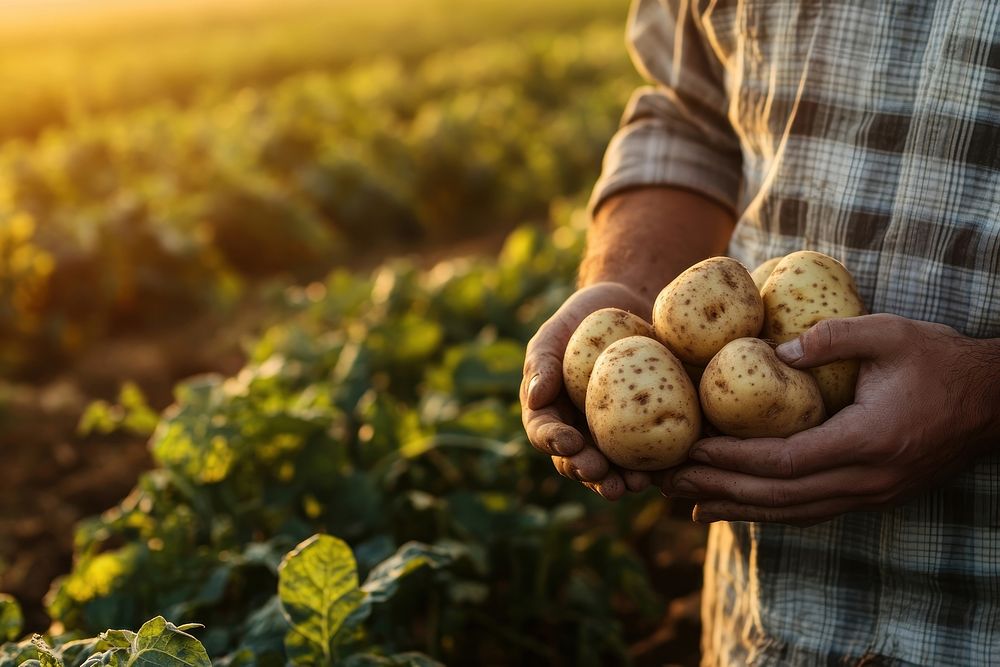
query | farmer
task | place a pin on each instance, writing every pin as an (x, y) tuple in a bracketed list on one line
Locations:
[(869, 131)]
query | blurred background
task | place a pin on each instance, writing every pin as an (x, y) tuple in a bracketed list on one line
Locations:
[(266, 270)]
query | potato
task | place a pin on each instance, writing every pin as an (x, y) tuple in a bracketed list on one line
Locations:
[(705, 307), (594, 333), (748, 392), (641, 407), (805, 288), (763, 272)]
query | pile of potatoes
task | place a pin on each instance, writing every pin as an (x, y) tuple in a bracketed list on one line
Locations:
[(708, 355)]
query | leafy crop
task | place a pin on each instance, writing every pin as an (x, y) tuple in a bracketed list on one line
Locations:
[(148, 218), (361, 493)]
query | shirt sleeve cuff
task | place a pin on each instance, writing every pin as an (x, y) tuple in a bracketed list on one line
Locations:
[(648, 152)]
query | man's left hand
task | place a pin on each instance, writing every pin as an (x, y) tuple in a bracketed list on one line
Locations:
[(927, 402)]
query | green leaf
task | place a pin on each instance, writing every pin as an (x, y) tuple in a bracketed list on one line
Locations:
[(76, 652), (318, 588), (115, 657), (383, 581), (11, 618), (264, 630), (161, 644), (46, 655), (12, 654), (118, 638)]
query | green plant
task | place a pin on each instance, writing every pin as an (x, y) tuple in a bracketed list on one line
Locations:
[(385, 414)]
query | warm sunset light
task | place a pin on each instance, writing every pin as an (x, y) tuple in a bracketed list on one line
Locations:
[(267, 271)]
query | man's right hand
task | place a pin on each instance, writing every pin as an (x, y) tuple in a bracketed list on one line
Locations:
[(554, 425)]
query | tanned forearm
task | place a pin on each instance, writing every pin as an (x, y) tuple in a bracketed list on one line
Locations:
[(644, 237)]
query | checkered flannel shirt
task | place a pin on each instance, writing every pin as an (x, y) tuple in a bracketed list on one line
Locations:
[(868, 130)]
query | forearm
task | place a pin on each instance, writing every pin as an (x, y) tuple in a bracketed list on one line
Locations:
[(643, 238)]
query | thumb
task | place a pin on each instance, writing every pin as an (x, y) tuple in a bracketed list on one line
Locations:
[(863, 337), (542, 376)]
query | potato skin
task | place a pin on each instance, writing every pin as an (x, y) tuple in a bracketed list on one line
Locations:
[(748, 392), (708, 305), (763, 272), (642, 408), (596, 331), (805, 288)]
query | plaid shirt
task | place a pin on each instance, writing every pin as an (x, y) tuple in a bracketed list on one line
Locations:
[(870, 131)]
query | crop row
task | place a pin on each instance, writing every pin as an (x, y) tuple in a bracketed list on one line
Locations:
[(80, 62), (141, 219)]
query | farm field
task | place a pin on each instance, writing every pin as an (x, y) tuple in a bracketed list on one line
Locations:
[(266, 276)]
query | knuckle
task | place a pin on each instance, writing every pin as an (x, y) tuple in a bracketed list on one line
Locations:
[(828, 333), (895, 329), (785, 466)]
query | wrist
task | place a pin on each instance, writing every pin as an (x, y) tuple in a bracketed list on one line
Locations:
[(644, 237)]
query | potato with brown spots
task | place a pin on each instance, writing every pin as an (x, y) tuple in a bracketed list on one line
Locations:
[(641, 407), (594, 333), (805, 288), (748, 392), (763, 272), (708, 305)]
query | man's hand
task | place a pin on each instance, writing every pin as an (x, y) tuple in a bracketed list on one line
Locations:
[(638, 241), (554, 425), (927, 403)]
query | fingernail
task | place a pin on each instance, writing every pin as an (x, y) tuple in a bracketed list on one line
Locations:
[(790, 351), (681, 488), (699, 454), (532, 383)]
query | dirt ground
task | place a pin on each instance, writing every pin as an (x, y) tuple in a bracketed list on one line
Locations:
[(52, 478)]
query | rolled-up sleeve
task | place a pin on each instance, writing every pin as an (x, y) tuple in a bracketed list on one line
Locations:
[(675, 131)]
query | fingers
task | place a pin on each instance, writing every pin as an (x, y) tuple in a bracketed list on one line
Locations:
[(589, 465), (542, 379), (864, 337), (840, 441), (636, 481), (612, 487), (542, 375), (706, 483), (551, 429), (554, 426)]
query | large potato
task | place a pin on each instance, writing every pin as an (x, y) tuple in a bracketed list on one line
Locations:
[(641, 407), (747, 392), (705, 307), (805, 288), (594, 333)]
